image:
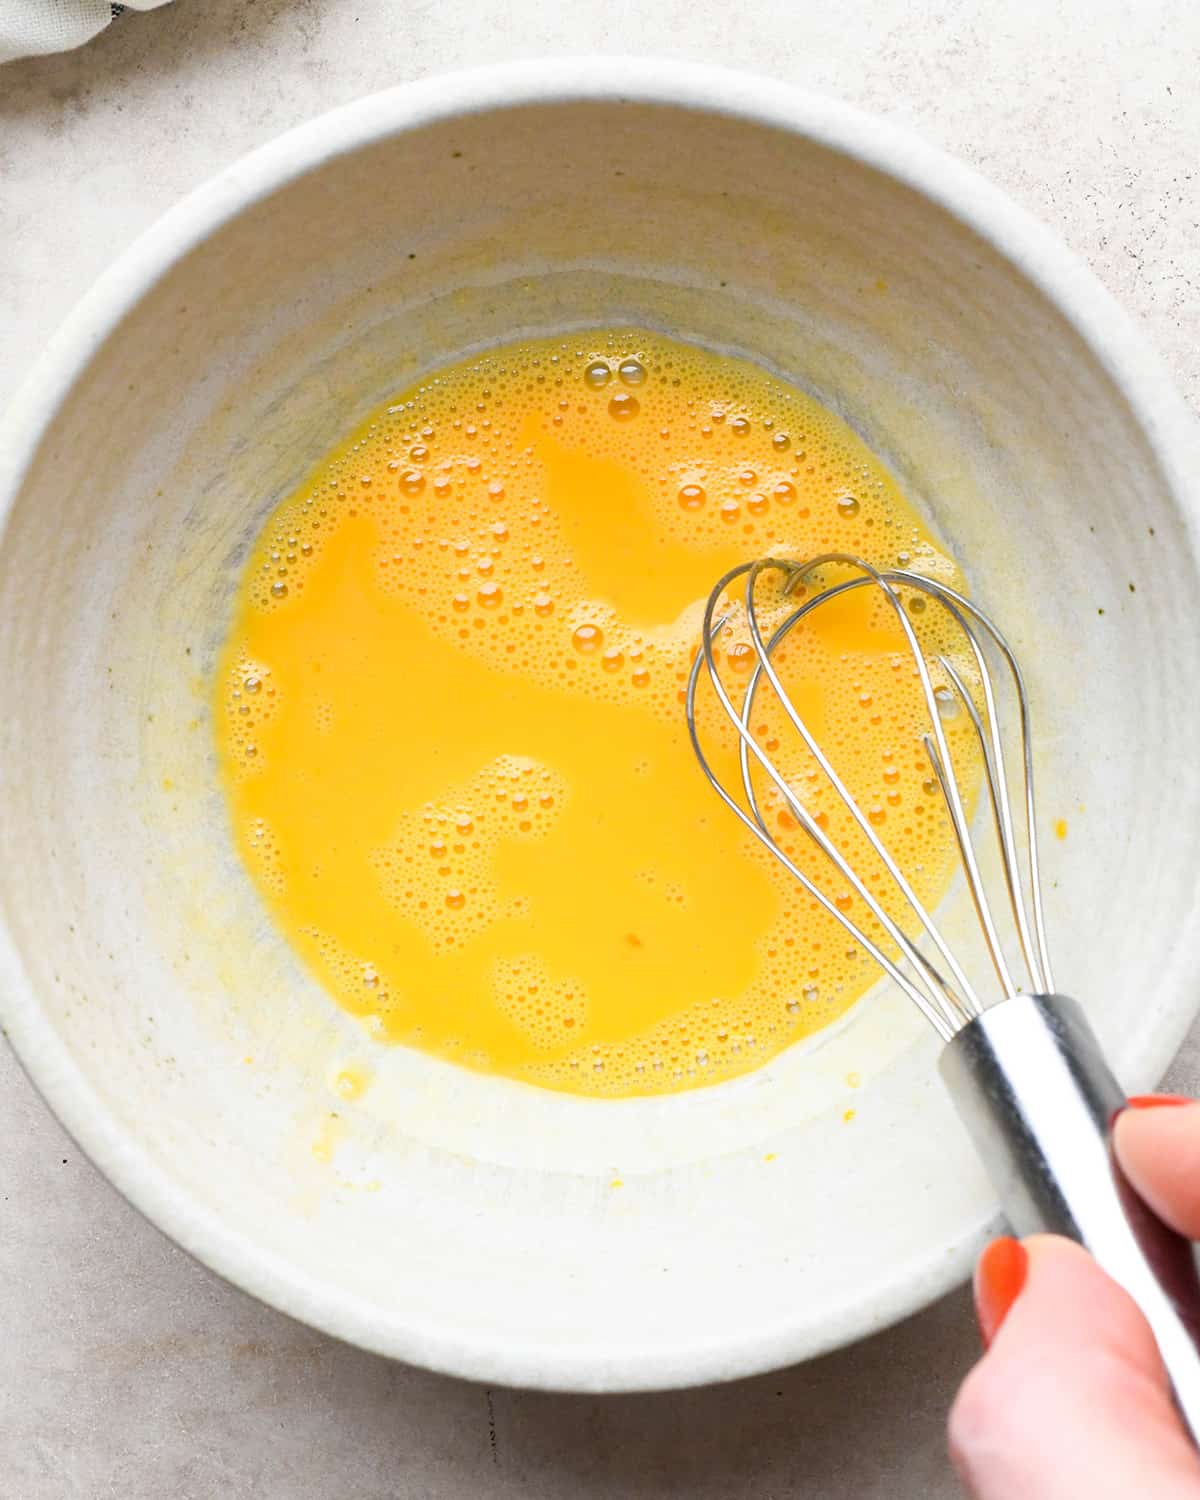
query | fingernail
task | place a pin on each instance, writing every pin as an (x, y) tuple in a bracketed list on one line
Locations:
[(1156, 1101), (999, 1277)]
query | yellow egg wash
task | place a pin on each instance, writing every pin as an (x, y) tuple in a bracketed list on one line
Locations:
[(450, 726)]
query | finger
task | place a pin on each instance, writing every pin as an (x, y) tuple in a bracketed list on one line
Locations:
[(1071, 1398), (1159, 1151)]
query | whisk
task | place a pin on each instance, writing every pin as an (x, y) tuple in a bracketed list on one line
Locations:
[(1021, 1062)]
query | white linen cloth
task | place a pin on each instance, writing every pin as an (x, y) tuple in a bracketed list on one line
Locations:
[(30, 27)]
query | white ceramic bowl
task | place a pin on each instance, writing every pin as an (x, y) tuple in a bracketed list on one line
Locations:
[(467, 1223)]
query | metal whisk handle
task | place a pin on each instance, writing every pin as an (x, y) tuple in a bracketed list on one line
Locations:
[(1038, 1099)]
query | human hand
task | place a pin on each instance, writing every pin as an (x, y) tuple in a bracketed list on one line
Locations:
[(1070, 1400)]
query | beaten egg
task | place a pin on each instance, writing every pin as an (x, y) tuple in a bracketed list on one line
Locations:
[(450, 726)]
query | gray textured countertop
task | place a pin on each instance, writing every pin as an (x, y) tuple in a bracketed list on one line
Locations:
[(127, 1370)]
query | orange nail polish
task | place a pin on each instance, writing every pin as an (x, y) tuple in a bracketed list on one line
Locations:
[(999, 1277), (1156, 1101)]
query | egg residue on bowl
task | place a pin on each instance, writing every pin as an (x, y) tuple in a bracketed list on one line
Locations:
[(450, 726)]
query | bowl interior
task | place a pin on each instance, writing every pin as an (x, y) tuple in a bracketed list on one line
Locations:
[(467, 1222)]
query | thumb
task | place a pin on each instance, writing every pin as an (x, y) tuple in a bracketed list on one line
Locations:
[(1071, 1398)]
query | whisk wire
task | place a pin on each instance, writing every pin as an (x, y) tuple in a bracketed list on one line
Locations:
[(949, 785), (939, 990), (935, 984), (1034, 947), (932, 1009), (992, 753)]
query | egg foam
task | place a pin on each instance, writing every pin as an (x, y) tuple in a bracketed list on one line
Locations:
[(450, 728)]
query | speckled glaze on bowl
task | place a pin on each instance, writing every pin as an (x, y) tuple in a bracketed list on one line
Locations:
[(466, 1223)]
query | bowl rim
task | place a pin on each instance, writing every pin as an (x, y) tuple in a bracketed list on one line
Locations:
[(1106, 329)]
